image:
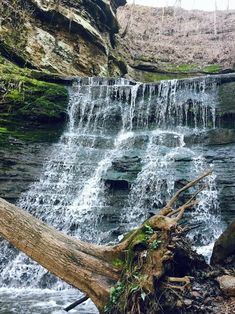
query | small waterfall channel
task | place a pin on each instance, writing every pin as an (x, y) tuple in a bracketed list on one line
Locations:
[(126, 148)]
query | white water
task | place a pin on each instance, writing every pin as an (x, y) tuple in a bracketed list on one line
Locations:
[(105, 122)]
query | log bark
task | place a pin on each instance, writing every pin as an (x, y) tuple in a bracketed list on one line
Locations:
[(85, 266), (139, 261)]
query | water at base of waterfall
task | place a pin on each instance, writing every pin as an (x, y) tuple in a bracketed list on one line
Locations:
[(37, 301), (109, 120)]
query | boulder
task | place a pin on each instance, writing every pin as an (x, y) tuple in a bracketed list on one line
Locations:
[(227, 284), (224, 246)]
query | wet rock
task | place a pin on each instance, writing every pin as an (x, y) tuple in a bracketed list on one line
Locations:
[(20, 165), (224, 246), (221, 137), (127, 164), (212, 137), (140, 141), (167, 139), (227, 284), (122, 172), (226, 106)]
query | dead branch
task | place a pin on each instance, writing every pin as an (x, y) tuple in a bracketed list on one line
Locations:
[(168, 208)]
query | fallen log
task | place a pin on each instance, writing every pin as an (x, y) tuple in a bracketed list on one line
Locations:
[(85, 266), (125, 278)]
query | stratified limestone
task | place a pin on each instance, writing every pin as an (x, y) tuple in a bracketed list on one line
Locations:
[(67, 37)]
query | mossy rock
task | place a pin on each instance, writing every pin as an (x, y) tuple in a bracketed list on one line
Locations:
[(182, 68), (18, 135), (213, 68), (37, 101), (27, 103), (169, 71), (30, 98), (147, 77)]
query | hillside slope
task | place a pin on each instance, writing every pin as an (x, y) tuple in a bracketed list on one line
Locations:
[(68, 37), (158, 40)]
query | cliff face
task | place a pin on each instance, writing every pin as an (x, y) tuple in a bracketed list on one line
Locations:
[(41, 37), (159, 43), (67, 36), (79, 37)]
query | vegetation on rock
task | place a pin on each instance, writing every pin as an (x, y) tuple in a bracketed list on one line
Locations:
[(26, 102), (67, 37)]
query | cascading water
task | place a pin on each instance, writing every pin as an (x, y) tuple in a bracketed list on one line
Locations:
[(109, 120)]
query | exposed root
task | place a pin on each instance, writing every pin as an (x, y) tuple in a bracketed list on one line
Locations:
[(169, 206), (186, 280), (153, 252)]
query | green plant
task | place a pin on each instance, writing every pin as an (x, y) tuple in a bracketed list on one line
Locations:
[(155, 244), (148, 229), (115, 294), (214, 68)]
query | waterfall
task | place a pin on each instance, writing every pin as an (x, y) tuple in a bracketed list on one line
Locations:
[(107, 121)]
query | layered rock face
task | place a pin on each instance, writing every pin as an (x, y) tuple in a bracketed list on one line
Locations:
[(67, 36), (41, 42), (159, 43)]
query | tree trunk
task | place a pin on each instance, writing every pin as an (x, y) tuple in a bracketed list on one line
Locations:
[(132, 267), (84, 266)]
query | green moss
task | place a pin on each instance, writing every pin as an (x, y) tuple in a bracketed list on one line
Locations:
[(115, 294), (140, 238), (17, 134), (43, 101), (134, 276), (28, 103), (3, 130), (34, 99), (182, 68), (174, 71), (117, 262), (155, 244), (153, 77), (214, 68), (148, 229), (15, 96)]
